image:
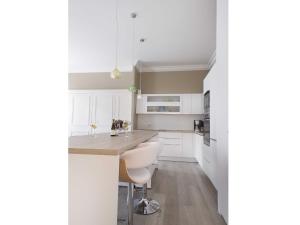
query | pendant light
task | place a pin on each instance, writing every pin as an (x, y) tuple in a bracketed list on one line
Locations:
[(115, 74), (133, 15), (139, 95)]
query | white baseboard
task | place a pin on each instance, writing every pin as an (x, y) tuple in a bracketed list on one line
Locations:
[(177, 159)]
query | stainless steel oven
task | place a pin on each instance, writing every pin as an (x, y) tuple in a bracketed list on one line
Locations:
[(206, 135), (206, 102)]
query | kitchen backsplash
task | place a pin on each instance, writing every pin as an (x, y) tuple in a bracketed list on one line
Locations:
[(167, 122)]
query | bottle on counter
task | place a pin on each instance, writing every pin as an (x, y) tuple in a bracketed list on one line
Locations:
[(113, 130)]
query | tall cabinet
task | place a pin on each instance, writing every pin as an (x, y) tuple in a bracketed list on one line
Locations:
[(98, 107), (210, 152)]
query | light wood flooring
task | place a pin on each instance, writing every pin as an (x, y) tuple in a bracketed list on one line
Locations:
[(186, 196)]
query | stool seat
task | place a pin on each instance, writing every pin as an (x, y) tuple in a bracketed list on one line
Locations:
[(133, 168), (140, 176)]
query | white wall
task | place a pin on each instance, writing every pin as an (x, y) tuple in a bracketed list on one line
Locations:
[(222, 107), (92, 39)]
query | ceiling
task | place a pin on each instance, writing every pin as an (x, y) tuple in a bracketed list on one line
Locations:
[(177, 32)]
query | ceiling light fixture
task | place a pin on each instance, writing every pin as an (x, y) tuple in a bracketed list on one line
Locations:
[(116, 74), (139, 95)]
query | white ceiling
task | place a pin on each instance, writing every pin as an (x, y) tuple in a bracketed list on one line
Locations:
[(177, 32)]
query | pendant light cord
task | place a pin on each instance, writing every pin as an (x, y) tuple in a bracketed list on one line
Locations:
[(117, 33), (141, 76), (133, 41)]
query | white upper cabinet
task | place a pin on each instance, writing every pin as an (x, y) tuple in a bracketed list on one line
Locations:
[(99, 107), (186, 104), (197, 103), (170, 104), (124, 106), (80, 105), (141, 105), (103, 112)]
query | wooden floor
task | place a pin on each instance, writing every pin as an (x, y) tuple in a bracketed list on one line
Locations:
[(186, 196)]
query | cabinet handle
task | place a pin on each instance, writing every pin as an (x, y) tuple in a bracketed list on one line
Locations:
[(213, 139), (169, 138)]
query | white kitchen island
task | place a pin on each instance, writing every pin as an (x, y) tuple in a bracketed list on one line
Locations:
[(94, 175)]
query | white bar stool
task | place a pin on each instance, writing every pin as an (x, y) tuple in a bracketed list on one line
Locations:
[(146, 205), (133, 169)]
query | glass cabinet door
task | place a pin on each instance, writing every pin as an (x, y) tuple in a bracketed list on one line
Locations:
[(163, 109), (163, 98)]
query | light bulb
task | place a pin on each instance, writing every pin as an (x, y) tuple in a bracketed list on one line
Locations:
[(115, 74), (139, 95)]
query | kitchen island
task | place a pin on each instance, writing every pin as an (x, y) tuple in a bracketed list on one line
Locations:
[(94, 175)]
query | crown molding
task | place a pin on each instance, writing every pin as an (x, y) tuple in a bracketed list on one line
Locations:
[(212, 60), (174, 68)]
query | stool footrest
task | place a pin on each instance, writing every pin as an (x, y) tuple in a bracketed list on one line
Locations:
[(146, 206)]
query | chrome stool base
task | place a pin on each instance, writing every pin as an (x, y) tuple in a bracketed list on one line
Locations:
[(146, 206)]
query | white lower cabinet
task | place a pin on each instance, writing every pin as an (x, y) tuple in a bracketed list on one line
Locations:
[(209, 162), (171, 150), (198, 148), (187, 145), (183, 145), (171, 144)]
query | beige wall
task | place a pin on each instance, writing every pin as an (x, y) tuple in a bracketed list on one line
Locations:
[(172, 82), (100, 81)]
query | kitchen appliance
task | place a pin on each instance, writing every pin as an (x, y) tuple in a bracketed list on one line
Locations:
[(206, 133), (206, 136), (198, 126), (206, 102)]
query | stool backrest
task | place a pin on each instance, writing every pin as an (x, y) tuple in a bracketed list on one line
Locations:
[(141, 157)]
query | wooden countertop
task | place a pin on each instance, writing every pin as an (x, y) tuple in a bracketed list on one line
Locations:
[(104, 144)]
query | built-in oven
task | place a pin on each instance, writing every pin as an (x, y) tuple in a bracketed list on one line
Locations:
[(206, 102), (206, 133), (206, 136)]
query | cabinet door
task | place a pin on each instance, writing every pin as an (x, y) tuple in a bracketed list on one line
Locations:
[(197, 145), (186, 104), (213, 169), (125, 106), (187, 145), (210, 162), (171, 150), (80, 114), (171, 144), (141, 105), (197, 103), (206, 159), (103, 112)]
